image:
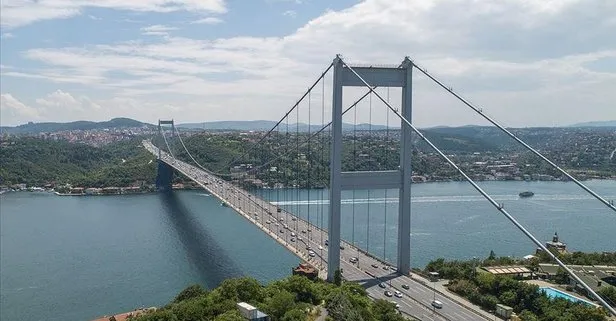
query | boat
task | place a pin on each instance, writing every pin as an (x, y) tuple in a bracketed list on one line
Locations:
[(224, 204), (527, 194)]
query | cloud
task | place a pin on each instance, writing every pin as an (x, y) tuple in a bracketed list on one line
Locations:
[(290, 13), (7, 35), (13, 109), (516, 58), (15, 13), (208, 21), (157, 30)]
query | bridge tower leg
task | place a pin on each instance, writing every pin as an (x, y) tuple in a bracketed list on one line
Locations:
[(164, 177), (399, 179), (335, 167)]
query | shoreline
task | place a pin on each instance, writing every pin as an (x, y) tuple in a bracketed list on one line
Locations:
[(130, 190)]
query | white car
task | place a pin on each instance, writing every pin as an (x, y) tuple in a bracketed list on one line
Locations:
[(312, 254), (398, 294)]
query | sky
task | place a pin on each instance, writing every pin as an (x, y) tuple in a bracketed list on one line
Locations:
[(523, 62)]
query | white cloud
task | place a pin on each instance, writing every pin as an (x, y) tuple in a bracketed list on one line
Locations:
[(13, 110), (208, 21), (15, 13), (7, 35), (515, 57), (157, 30), (290, 13)]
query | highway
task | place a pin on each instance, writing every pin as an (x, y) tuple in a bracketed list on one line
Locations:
[(304, 240)]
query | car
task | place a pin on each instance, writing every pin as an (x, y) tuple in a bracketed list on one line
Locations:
[(383, 285), (299, 238), (376, 266), (303, 231), (294, 219), (353, 260), (437, 304), (312, 254), (326, 242), (292, 239), (405, 286), (268, 222), (395, 304), (320, 247), (342, 247), (385, 267), (308, 248), (281, 231), (293, 234), (397, 294), (388, 293)]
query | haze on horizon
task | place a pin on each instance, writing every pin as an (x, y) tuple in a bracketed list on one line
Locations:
[(526, 63)]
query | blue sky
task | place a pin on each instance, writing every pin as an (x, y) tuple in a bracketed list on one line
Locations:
[(527, 63)]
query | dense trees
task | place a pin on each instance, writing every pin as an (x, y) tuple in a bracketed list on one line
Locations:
[(38, 162), (292, 299)]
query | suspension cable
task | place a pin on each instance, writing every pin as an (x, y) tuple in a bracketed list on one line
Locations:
[(187, 152), (323, 166), (498, 206), (386, 190), (285, 115), (510, 134), (166, 143)]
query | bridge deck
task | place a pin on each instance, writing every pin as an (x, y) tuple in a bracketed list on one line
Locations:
[(368, 271)]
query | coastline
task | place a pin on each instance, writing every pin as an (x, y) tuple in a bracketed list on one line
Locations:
[(132, 190)]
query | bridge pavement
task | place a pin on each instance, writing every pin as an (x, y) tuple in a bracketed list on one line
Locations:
[(368, 271)]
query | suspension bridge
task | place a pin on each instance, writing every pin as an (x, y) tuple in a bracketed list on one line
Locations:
[(318, 150)]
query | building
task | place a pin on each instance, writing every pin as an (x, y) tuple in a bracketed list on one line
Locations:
[(556, 244), (306, 270), (251, 313), (510, 270)]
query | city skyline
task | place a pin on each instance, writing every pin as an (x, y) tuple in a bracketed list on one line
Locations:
[(525, 63)]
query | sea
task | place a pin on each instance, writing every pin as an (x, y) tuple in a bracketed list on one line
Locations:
[(79, 258)]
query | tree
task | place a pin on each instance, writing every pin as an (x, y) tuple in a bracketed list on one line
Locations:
[(608, 293), (561, 277), (231, 315), (296, 314), (337, 277), (386, 311), (526, 315), (277, 305), (190, 292), (492, 255), (112, 318)]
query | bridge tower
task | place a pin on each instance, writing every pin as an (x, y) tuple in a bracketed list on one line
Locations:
[(400, 179), (164, 175)]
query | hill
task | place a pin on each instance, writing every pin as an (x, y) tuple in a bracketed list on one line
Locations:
[(261, 125), (606, 123), (35, 128)]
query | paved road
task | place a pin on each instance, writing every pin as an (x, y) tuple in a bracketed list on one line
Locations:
[(308, 242)]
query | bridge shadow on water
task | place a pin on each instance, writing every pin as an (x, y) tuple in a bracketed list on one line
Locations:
[(202, 250)]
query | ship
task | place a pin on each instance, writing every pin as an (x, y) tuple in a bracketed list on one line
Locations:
[(224, 204), (526, 194)]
